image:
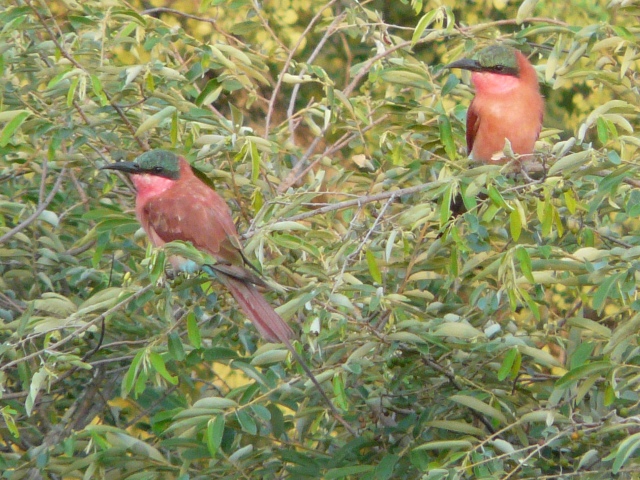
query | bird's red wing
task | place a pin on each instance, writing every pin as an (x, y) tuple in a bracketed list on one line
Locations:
[(473, 122), (195, 214)]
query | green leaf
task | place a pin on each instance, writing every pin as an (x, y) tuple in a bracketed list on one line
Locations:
[(604, 290), (456, 426), (581, 372), (479, 406), (626, 448), (255, 162), (72, 91), (96, 85), (9, 417), (445, 205), (209, 93), (37, 384), (11, 127), (541, 356), (251, 372), (342, 472), (507, 363), (384, 469), (625, 331), (155, 120), (374, 270), (247, 423), (132, 373), (157, 362), (277, 420), (215, 403), (515, 225), (174, 345), (457, 330), (422, 24), (525, 263), (340, 393), (571, 162), (193, 332), (446, 136), (603, 133), (581, 354), (270, 357), (215, 430), (525, 10), (496, 198), (445, 445)]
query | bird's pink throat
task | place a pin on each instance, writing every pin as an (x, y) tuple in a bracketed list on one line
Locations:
[(149, 186), (494, 83)]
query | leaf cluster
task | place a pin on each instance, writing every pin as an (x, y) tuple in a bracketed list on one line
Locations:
[(500, 342)]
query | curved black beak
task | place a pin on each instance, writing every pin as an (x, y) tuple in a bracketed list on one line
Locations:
[(127, 167), (465, 64)]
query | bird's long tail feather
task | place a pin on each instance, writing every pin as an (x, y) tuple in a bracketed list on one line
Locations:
[(270, 325), (273, 328)]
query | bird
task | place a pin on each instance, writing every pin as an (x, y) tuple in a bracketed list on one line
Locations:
[(507, 104), (172, 203)]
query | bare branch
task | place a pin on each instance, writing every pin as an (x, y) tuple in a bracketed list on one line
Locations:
[(80, 330), (41, 208), (285, 67)]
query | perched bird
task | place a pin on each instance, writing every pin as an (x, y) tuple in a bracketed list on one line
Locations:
[(172, 203), (507, 104)]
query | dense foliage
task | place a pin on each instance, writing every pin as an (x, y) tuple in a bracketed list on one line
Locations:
[(499, 343)]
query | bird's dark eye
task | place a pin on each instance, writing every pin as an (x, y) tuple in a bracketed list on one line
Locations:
[(157, 169), (498, 68)]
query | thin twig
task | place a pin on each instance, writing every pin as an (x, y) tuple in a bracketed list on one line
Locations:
[(43, 180), (312, 57), (462, 30), (75, 63), (80, 330), (173, 11), (364, 200), (452, 379), (359, 248), (41, 208), (285, 67), (297, 171), (310, 150)]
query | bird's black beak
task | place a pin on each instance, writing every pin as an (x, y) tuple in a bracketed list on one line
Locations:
[(465, 64), (127, 167)]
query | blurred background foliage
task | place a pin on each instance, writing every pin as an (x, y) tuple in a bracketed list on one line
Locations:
[(501, 343)]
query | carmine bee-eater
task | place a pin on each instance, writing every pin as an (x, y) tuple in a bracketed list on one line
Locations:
[(507, 103), (172, 203)]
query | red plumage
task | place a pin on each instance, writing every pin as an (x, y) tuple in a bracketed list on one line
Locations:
[(507, 104), (187, 209)]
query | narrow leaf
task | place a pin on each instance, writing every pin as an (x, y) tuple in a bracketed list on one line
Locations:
[(10, 128), (155, 119), (507, 363), (215, 430), (374, 270), (581, 372), (423, 23), (193, 332), (479, 406), (157, 362)]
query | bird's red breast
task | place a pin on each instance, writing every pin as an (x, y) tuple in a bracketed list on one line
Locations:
[(187, 209), (504, 107)]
